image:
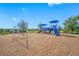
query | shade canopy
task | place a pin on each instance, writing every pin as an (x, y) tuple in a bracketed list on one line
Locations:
[(45, 29), (54, 21), (43, 24)]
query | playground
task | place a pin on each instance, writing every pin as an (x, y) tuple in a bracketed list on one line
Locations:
[(48, 41), (39, 44), (39, 29)]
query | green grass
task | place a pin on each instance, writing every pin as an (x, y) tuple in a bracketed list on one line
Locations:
[(33, 30), (4, 33)]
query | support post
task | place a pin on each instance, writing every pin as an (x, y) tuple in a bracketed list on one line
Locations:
[(27, 36)]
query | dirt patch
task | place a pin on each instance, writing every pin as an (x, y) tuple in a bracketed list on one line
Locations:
[(39, 44)]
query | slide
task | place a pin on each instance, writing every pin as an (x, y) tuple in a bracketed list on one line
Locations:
[(56, 32)]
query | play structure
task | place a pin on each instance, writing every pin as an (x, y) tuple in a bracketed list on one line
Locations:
[(53, 27)]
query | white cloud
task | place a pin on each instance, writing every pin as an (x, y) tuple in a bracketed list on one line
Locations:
[(53, 4), (23, 9), (15, 19)]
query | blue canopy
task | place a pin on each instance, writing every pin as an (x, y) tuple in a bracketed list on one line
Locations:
[(43, 24), (54, 21), (45, 29)]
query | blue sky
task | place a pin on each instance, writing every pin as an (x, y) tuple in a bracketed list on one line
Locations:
[(35, 13)]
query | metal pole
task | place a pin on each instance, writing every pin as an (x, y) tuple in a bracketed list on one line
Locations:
[(27, 36)]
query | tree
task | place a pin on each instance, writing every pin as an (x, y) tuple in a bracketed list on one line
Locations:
[(71, 24), (23, 26)]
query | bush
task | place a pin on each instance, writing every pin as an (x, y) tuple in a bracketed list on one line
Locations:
[(4, 31)]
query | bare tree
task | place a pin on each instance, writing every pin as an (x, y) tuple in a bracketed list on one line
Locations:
[(23, 26)]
